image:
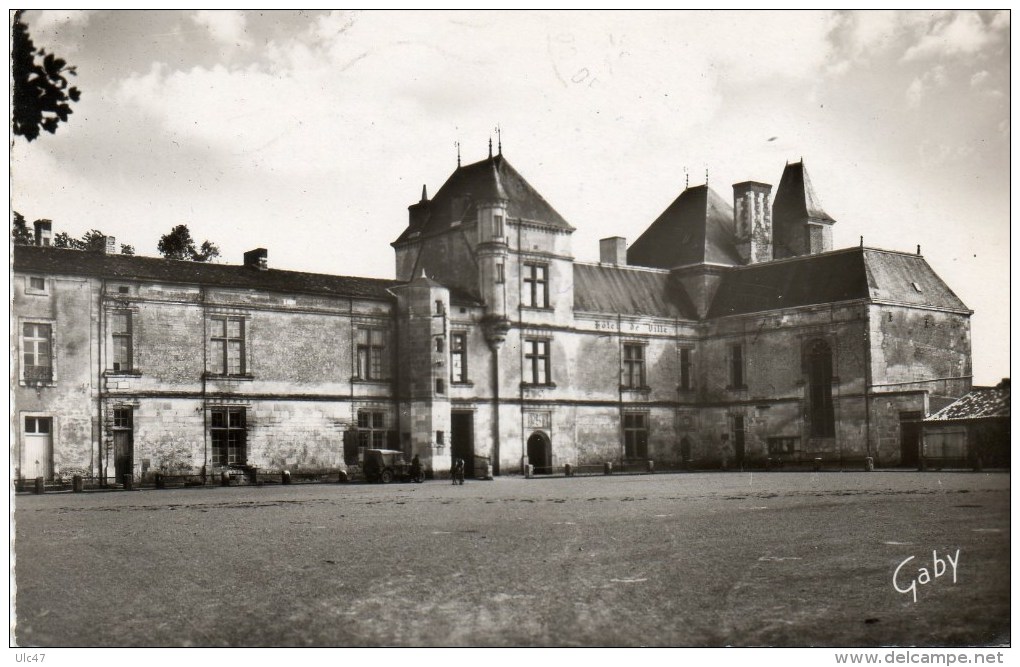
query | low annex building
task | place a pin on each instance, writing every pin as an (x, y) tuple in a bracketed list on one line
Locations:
[(728, 333)]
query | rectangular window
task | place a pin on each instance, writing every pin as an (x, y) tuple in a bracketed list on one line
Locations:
[(122, 417), (228, 434), (38, 425), (440, 438), (635, 435), (781, 446), (372, 354), (227, 338), (439, 344), (440, 386), (500, 275), (536, 357), (685, 369), (736, 366), (633, 365), (371, 429), (120, 328), (37, 360), (536, 286), (458, 357), (497, 228), (36, 285)]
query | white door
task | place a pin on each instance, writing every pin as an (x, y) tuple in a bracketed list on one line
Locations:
[(37, 455)]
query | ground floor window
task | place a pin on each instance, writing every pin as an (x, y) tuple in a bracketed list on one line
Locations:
[(783, 446), (371, 429), (635, 435), (228, 433)]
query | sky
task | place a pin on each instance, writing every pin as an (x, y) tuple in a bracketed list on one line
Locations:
[(309, 133)]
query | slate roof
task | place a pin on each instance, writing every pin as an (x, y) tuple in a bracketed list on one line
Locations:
[(61, 261), (796, 197), (981, 403), (840, 275), (696, 228), (600, 288), (493, 178)]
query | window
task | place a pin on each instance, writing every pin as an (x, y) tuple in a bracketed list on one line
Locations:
[(372, 354), (439, 344), (497, 228), (536, 286), (440, 386), (685, 369), (536, 357), (38, 425), (440, 438), (500, 275), (736, 367), (227, 355), (122, 417), (439, 306), (635, 435), (820, 410), (633, 365), (37, 360), (120, 328), (229, 436), (371, 429), (35, 285), (782, 446), (458, 357)]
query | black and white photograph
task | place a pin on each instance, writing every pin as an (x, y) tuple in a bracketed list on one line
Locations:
[(365, 332)]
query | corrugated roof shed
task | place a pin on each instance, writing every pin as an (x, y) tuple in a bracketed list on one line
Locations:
[(60, 261), (696, 228), (486, 180), (600, 288), (982, 403)]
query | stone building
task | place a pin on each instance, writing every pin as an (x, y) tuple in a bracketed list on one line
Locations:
[(730, 332)]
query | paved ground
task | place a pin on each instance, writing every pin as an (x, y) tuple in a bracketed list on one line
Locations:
[(775, 559)]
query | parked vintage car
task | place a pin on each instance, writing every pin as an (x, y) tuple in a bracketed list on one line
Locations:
[(387, 465)]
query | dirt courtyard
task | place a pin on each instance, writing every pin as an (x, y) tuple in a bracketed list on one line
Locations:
[(701, 559)]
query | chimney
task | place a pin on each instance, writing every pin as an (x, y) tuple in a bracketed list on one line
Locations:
[(43, 232), (613, 250), (109, 245), (257, 259), (752, 220), (418, 214)]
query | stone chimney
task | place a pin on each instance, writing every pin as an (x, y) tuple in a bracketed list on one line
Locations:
[(752, 218), (44, 232), (613, 250), (109, 245), (418, 214), (257, 259)]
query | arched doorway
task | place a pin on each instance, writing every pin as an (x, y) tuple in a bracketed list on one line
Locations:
[(540, 453)]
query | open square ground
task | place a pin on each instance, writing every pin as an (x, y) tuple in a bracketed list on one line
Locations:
[(708, 559)]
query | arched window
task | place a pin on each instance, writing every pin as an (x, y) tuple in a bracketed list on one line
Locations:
[(819, 368)]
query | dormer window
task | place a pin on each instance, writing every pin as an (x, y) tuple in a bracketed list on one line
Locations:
[(917, 288)]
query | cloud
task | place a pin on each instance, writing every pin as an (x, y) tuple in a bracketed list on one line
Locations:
[(227, 27), (962, 33), (978, 78), (920, 86), (59, 29)]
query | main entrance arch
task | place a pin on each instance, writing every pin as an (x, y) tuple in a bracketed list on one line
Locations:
[(540, 453)]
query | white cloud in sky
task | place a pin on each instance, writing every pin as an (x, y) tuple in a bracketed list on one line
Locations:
[(957, 33), (226, 26), (979, 77)]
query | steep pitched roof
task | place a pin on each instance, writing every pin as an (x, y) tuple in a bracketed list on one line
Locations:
[(600, 288), (489, 179), (796, 197), (61, 261), (981, 403), (696, 228), (831, 277)]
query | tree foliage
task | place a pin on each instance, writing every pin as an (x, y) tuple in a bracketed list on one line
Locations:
[(41, 96), (20, 233), (92, 240), (178, 244)]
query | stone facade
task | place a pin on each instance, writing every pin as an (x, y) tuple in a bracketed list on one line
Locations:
[(492, 343)]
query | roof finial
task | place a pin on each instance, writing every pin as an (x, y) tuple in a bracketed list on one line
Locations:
[(423, 272), (918, 248), (490, 147), (706, 177), (457, 144), (862, 240), (424, 193), (499, 139), (687, 179)]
